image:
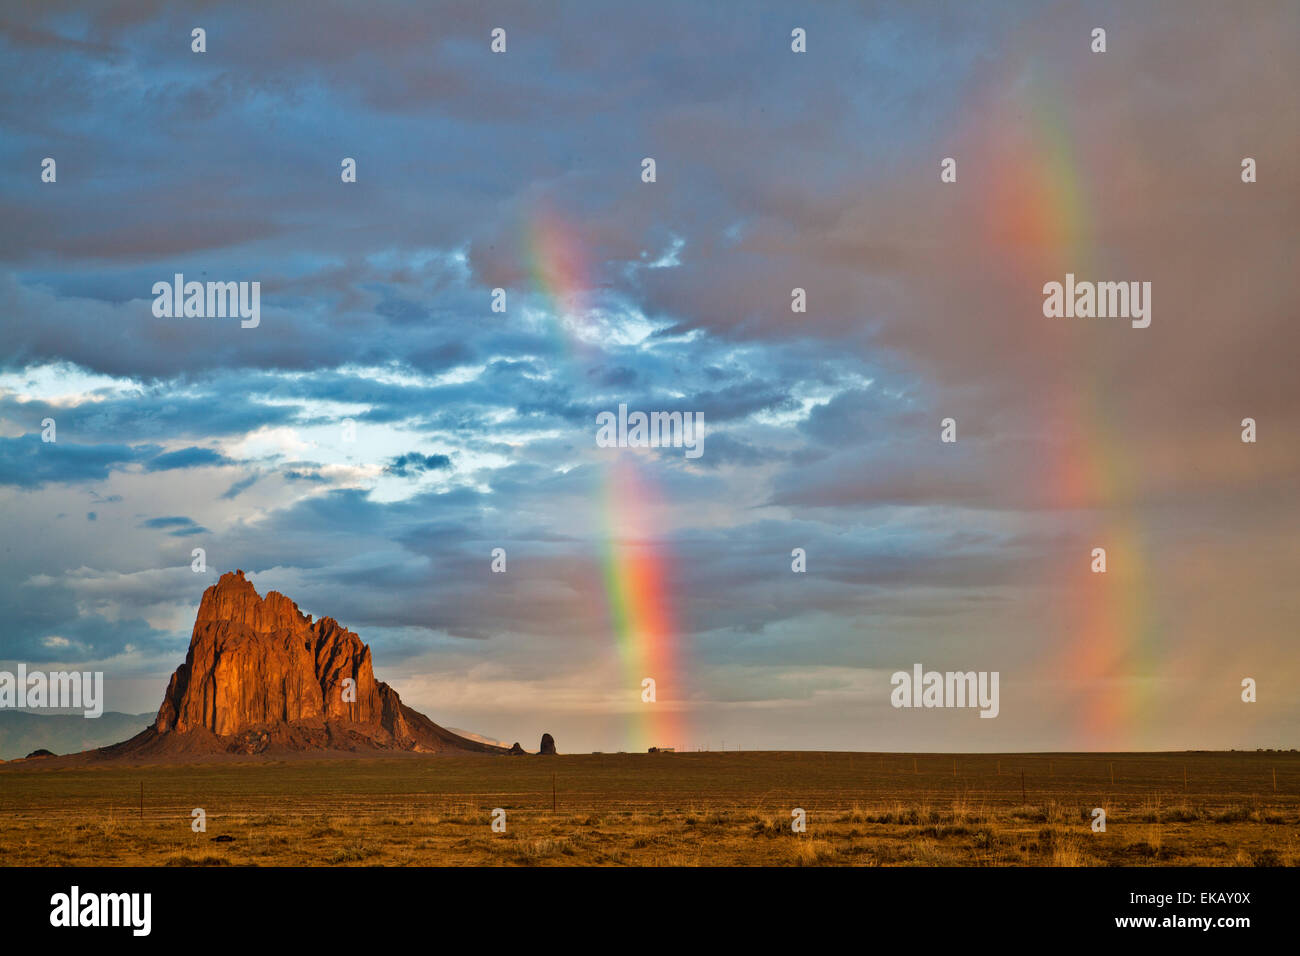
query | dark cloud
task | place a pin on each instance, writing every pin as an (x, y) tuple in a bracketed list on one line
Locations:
[(174, 521), (29, 462), (186, 458), (413, 463), (239, 486)]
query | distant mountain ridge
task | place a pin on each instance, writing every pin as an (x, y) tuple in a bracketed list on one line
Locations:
[(23, 731)]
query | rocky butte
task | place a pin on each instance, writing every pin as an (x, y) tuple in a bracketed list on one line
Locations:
[(262, 677)]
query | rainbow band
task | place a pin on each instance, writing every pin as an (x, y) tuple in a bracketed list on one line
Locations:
[(640, 604)]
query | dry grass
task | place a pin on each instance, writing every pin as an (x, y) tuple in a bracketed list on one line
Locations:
[(662, 810)]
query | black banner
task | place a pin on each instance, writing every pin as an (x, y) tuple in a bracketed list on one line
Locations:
[(331, 906)]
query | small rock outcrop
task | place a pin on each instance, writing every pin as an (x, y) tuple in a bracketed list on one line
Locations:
[(548, 744), (41, 753), (515, 749)]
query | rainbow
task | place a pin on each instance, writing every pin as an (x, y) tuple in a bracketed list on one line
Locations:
[(1038, 215), (558, 267), (639, 602)]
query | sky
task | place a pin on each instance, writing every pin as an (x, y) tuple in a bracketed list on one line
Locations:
[(367, 446)]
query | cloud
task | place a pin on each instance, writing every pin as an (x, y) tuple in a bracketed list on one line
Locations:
[(29, 462), (413, 463), (186, 458)]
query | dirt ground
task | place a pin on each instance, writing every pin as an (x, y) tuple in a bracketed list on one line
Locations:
[(687, 809)]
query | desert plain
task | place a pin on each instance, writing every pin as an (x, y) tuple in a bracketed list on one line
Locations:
[(664, 809)]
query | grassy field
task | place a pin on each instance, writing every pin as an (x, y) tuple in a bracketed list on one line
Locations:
[(1223, 809)]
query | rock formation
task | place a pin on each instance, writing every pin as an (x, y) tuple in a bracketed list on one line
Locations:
[(548, 744), (515, 750), (261, 677)]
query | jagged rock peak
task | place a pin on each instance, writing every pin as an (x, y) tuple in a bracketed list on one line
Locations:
[(233, 598), (261, 675)]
